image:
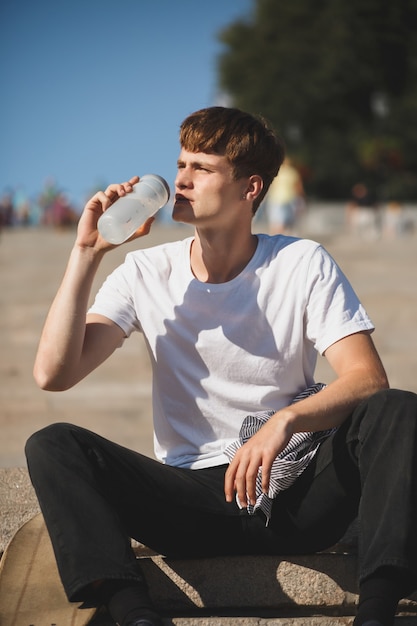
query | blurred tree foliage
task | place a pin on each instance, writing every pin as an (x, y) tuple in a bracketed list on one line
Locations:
[(338, 80)]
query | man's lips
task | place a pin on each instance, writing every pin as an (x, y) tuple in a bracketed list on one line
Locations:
[(181, 199)]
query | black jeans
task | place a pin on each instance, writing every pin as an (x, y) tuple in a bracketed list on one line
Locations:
[(95, 495)]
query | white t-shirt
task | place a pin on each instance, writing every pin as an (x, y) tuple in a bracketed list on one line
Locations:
[(221, 351)]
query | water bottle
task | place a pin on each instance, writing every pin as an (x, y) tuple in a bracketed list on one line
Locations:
[(129, 212)]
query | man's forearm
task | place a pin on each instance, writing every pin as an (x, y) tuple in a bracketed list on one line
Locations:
[(335, 403), (61, 344)]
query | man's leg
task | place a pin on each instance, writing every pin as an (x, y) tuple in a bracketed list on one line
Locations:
[(64, 464), (368, 467), (186, 514), (387, 454), (95, 495)]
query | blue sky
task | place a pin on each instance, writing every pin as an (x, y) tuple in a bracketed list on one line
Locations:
[(94, 91)]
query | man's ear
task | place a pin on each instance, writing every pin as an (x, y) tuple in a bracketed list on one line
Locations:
[(254, 187)]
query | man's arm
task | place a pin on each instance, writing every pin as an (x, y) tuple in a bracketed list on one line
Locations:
[(73, 344), (360, 373)]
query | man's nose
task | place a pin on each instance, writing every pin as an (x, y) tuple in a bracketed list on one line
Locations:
[(182, 179)]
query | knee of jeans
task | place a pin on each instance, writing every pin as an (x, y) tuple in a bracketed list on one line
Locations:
[(397, 398), (42, 439), (390, 409)]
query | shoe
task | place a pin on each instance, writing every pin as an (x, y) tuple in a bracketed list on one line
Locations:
[(147, 620)]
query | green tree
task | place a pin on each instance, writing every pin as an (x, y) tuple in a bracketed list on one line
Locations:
[(338, 80)]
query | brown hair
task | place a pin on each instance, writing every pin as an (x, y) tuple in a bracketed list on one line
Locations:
[(248, 142)]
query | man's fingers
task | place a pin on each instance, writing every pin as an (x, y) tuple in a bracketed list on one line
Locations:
[(143, 230), (241, 478), (250, 481), (240, 484), (117, 190), (229, 484), (266, 477)]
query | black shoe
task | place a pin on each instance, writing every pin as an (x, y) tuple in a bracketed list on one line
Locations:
[(150, 618)]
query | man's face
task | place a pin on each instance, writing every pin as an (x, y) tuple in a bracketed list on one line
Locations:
[(205, 192)]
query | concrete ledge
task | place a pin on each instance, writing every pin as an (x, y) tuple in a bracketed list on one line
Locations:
[(302, 588), (18, 502), (305, 585)]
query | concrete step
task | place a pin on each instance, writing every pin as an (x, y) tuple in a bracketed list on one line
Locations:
[(253, 583), (311, 589)]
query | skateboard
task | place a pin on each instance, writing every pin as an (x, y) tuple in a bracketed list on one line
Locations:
[(31, 592)]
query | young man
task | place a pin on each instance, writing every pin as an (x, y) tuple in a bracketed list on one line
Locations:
[(233, 322)]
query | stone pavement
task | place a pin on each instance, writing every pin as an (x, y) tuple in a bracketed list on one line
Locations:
[(115, 402)]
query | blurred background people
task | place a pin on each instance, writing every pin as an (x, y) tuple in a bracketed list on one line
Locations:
[(285, 202), (362, 212)]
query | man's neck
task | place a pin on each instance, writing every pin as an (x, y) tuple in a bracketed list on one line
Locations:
[(218, 258)]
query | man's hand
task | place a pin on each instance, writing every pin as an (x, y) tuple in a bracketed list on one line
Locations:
[(87, 232), (260, 451)]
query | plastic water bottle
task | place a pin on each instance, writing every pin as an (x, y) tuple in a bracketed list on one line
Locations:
[(129, 212)]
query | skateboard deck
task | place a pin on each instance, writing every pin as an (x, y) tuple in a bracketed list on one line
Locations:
[(31, 592)]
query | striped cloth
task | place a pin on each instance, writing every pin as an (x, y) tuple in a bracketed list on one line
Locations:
[(289, 464)]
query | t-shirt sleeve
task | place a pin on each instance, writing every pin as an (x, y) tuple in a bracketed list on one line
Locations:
[(333, 309), (115, 301)]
